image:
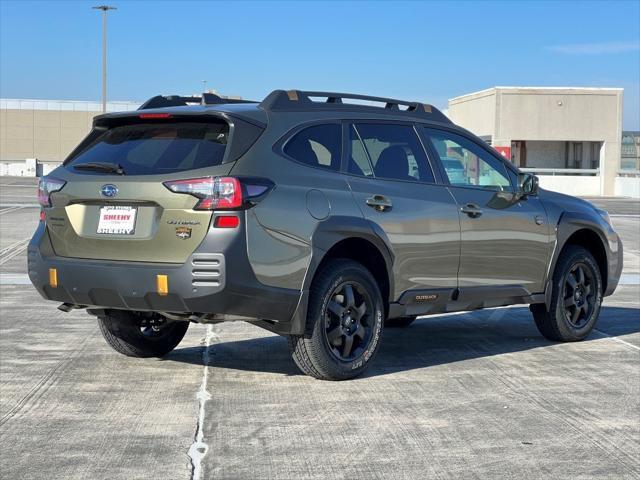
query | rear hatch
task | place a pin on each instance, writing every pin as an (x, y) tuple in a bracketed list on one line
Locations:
[(115, 205)]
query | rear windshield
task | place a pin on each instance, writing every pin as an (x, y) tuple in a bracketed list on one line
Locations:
[(158, 148)]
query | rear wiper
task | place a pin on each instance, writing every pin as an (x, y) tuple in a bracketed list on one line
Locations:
[(101, 167)]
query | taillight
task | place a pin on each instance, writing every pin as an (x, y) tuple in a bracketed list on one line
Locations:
[(46, 187), (215, 193)]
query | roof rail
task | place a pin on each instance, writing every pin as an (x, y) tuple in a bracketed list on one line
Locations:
[(160, 101), (297, 100)]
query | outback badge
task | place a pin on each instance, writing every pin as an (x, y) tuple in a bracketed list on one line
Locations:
[(427, 298), (183, 232)]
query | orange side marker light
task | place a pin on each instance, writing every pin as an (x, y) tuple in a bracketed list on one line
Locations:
[(162, 282)]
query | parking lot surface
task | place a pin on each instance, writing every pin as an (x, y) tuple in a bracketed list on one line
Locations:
[(472, 395)]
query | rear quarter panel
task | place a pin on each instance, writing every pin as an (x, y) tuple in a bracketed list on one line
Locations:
[(280, 228)]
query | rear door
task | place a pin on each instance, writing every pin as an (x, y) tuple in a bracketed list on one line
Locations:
[(133, 216), (394, 186), (506, 241)]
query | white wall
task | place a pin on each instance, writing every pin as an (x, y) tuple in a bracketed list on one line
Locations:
[(26, 168), (628, 187), (15, 169), (580, 186)]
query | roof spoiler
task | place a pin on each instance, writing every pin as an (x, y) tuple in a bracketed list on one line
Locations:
[(160, 101), (297, 100)]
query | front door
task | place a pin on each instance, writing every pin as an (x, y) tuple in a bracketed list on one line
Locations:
[(393, 184), (505, 242)]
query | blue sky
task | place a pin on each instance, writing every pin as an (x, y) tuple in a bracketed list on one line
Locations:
[(428, 51)]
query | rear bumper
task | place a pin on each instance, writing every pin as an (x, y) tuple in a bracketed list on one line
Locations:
[(214, 283)]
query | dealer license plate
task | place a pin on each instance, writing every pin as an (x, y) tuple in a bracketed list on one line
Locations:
[(117, 220)]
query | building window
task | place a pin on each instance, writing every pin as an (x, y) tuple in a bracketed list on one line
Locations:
[(630, 159), (595, 155), (576, 158)]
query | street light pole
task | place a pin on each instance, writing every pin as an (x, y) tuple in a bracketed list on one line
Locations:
[(105, 9)]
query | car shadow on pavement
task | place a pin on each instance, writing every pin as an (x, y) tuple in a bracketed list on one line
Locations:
[(428, 342)]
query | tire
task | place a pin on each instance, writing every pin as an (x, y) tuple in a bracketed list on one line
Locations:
[(346, 315), (576, 298), (141, 334), (400, 322)]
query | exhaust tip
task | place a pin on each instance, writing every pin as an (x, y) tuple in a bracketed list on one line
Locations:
[(67, 307)]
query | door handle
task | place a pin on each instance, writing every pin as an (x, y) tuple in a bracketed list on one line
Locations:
[(472, 210), (379, 202)]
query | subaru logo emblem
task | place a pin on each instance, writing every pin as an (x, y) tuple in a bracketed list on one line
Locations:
[(109, 191)]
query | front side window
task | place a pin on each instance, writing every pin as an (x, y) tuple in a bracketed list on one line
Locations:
[(466, 164), (318, 146), (158, 148), (395, 152)]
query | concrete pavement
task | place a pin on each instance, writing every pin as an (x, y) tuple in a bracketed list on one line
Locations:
[(474, 395)]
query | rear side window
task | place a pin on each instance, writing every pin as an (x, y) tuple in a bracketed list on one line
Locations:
[(145, 149), (359, 163), (395, 152), (318, 146)]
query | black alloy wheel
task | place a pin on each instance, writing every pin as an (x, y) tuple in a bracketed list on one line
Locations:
[(579, 295), (151, 325), (348, 321), (345, 319), (575, 300)]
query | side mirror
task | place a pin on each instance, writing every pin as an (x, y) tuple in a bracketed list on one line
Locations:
[(527, 184)]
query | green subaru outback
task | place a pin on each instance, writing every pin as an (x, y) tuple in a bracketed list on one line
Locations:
[(320, 216)]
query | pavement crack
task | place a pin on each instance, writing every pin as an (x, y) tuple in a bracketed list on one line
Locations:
[(199, 447)]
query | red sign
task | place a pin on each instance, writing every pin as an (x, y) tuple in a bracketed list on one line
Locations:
[(504, 151)]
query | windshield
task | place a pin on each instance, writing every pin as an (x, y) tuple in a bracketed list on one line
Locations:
[(145, 149)]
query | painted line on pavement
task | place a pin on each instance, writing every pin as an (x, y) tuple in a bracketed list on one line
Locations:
[(21, 205), (629, 279), (615, 339), (14, 279), (11, 209)]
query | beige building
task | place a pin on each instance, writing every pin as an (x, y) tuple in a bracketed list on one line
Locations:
[(45, 129), (570, 137)]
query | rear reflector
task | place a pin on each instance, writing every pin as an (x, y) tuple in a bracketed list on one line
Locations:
[(154, 115), (226, 221), (43, 216), (162, 284), (53, 277)]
